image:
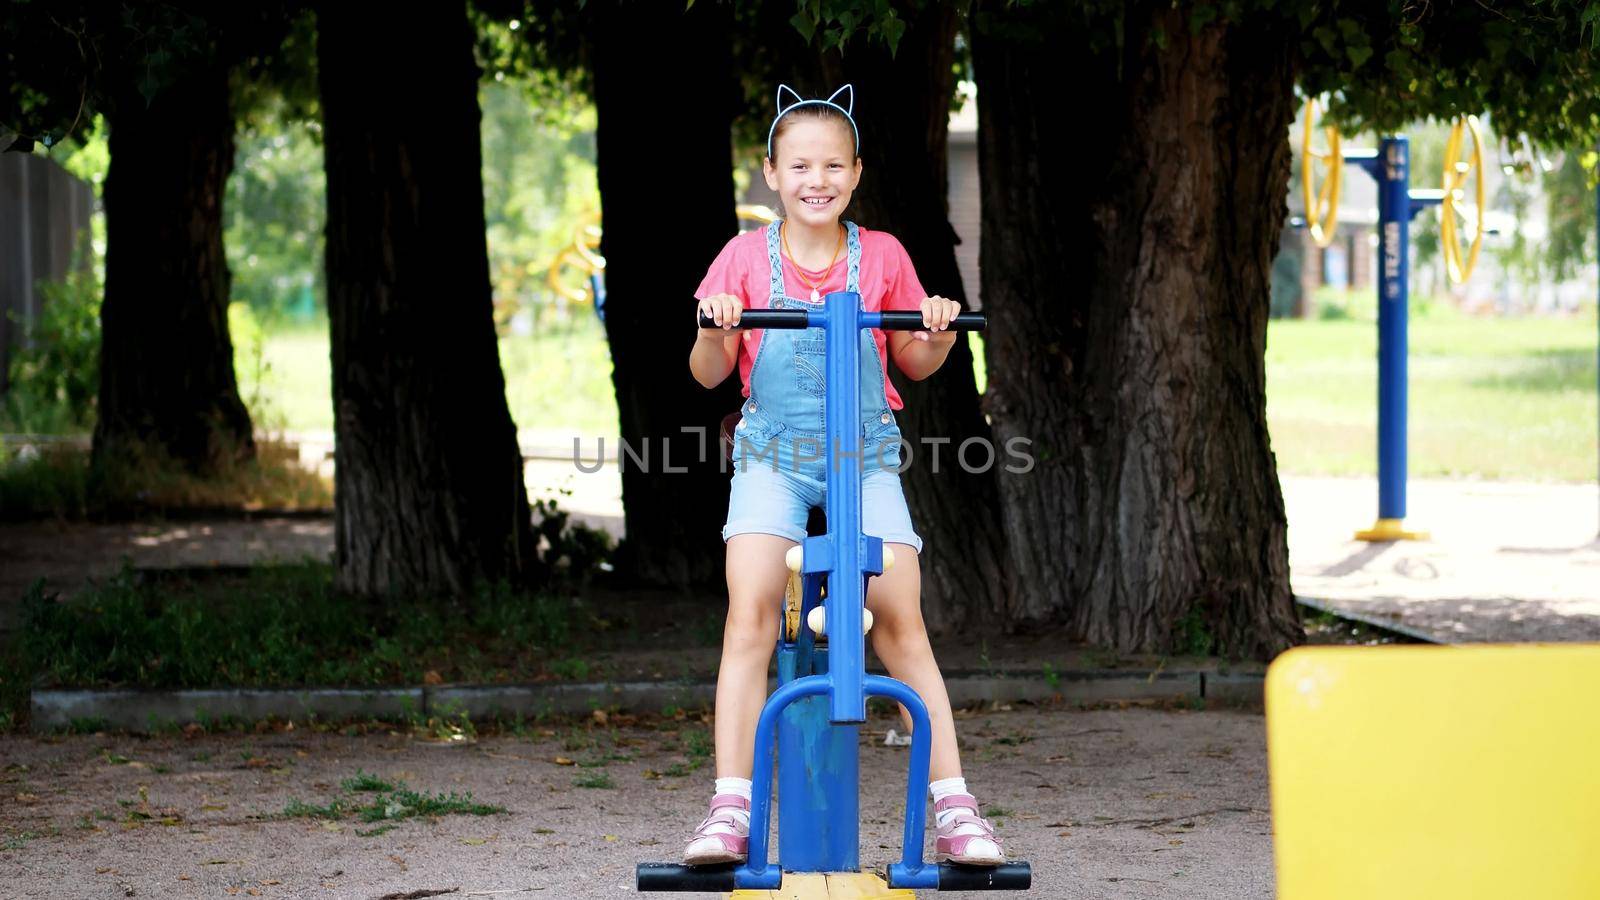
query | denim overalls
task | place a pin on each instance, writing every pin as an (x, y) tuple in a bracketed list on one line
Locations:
[(780, 456), (783, 417)]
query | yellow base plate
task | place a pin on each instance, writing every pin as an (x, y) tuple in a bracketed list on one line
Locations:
[(1391, 530), (829, 886)]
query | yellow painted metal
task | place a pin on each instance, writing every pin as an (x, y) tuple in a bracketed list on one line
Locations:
[(750, 212), (1460, 162), (830, 886), (1391, 530), (580, 255), (1322, 204), (1415, 773), (793, 594)]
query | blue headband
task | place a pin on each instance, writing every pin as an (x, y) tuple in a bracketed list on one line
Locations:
[(785, 110)]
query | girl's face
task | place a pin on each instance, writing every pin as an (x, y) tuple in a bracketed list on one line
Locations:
[(815, 171)]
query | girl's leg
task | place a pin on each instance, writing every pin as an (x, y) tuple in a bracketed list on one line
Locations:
[(756, 578), (900, 639)]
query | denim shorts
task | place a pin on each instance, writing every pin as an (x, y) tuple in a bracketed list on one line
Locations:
[(773, 500)]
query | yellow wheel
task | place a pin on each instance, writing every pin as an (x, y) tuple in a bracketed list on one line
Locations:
[(580, 255), (1460, 219), (1322, 204)]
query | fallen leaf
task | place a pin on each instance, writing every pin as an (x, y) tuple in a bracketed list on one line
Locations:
[(432, 677), (473, 842), (332, 826), (102, 870), (563, 761), (184, 878), (214, 807), (1175, 843), (600, 716), (610, 837)]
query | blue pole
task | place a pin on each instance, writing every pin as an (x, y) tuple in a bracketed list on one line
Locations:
[(842, 411), (1394, 216)]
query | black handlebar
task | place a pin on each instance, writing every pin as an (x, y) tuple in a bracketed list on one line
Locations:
[(799, 318)]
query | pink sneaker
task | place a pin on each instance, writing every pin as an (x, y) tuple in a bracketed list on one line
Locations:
[(964, 837), (723, 837)]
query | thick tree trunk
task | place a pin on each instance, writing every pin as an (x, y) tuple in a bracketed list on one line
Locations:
[(429, 489), (666, 186), (167, 383), (1126, 271), (903, 111)]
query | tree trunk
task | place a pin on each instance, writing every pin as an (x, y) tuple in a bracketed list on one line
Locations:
[(167, 383), (903, 111), (429, 495), (1126, 272), (666, 185)]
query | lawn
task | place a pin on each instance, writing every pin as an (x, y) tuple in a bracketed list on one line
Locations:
[(1504, 398), (559, 378)]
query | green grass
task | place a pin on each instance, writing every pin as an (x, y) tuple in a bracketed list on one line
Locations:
[(391, 803), (1502, 398), (559, 378), (281, 626)]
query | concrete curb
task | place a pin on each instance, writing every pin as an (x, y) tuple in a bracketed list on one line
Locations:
[(150, 710), (144, 711)]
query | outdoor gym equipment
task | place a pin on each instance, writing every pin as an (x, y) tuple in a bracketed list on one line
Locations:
[(822, 698), (1390, 167), (1412, 773)]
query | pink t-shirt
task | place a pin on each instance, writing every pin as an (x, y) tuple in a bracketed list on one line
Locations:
[(888, 282)]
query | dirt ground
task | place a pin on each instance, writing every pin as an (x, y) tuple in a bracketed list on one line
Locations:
[(1127, 803)]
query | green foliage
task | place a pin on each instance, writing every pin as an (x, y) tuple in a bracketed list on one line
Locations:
[(275, 215), (55, 374), (1529, 65), (70, 60), (280, 626)]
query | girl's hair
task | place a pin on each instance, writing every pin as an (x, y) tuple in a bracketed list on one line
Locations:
[(816, 112)]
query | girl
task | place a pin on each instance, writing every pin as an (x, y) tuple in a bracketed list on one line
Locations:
[(779, 473)]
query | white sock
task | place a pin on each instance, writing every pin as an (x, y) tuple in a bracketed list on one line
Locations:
[(947, 786), (737, 787)]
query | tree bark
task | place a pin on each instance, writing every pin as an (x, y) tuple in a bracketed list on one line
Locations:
[(167, 384), (1132, 207), (903, 112), (666, 186), (429, 495)]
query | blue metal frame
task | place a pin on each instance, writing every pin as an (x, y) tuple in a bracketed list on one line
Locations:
[(1390, 167), (818, 774)]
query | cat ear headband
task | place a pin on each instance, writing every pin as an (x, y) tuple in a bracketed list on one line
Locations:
[(850, 104)]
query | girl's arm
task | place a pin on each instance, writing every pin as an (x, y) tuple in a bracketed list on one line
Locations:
[(920, 353), (716, 351)]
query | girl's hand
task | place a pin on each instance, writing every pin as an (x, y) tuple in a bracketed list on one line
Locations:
[(724, 309), (936, 315)]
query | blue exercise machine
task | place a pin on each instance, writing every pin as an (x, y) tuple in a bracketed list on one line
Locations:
[(812, 720)]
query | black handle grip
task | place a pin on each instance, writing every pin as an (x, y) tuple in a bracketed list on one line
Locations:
[(892, 321), (912, 321), (764, 318)]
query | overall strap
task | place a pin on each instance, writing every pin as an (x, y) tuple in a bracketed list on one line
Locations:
[(853, 273), (775, 266)]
